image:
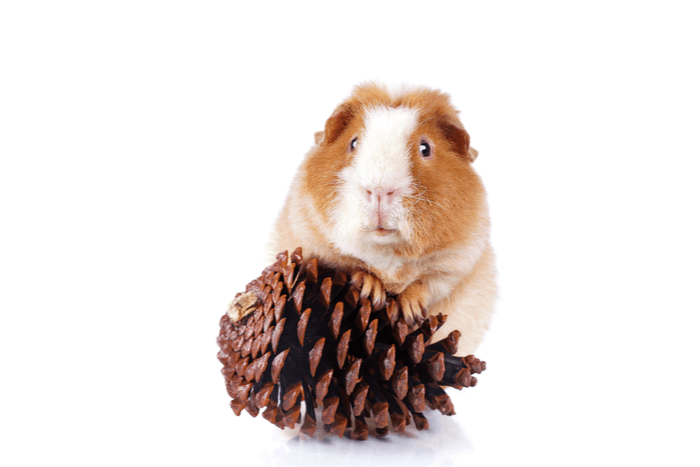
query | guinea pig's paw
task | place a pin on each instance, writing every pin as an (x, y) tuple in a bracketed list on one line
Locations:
[(412, 303), (370, 287)]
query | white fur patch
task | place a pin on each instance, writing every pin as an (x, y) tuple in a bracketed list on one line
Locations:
[(382, 158), (381, 162)]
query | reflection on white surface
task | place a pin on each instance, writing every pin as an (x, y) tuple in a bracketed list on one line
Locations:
[(441, 445)]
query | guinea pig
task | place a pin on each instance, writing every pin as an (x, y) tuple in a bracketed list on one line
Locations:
[(389, 190)]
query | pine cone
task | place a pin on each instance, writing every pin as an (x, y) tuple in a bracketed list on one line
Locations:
[(300, 333)]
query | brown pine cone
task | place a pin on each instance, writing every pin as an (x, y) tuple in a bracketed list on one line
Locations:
[(300, 334)]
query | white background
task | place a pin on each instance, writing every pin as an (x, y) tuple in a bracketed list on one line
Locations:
[(146, 148)]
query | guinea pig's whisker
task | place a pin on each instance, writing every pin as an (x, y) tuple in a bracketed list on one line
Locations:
[(418, 196)]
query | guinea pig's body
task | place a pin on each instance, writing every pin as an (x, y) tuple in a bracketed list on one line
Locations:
[(389, 190)]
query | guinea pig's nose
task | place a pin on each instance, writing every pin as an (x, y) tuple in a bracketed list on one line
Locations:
[(381, 195)]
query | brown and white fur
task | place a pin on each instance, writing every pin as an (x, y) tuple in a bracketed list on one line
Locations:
[(389, 190)]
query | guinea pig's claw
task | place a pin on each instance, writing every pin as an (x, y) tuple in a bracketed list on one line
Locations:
[(370, 287), (379, 298), (414, 312)]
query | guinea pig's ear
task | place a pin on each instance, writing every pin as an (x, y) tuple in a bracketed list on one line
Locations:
[(335, 125), (458, 137)]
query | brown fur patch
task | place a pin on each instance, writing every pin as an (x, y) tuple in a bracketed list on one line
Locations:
[(337, 123)]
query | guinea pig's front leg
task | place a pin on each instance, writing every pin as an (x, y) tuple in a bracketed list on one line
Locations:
[(370, 287), (412, 302)]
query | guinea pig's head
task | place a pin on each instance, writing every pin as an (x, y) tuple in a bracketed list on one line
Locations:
[(392, 173)]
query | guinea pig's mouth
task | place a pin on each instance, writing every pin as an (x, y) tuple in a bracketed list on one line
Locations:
[(379, 230), (383, 232)]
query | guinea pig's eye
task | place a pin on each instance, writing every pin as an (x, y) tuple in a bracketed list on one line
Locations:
[(353, 144), (424, 149)]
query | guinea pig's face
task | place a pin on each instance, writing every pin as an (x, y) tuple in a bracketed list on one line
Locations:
[(393, 177), (375, 187)]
